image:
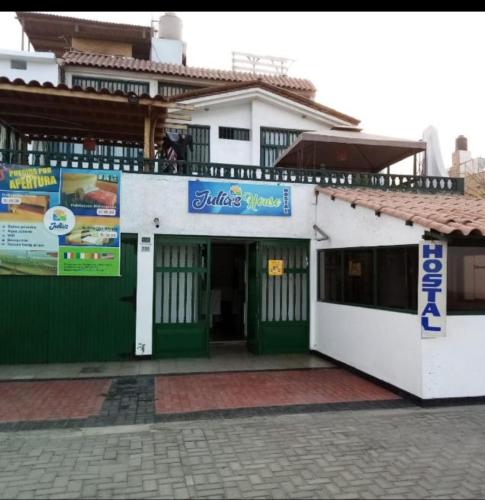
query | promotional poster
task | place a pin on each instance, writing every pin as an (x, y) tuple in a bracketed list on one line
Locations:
[(59, 221)]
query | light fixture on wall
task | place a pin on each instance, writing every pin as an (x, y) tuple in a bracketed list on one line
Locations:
[(133, 98), (156, 221)]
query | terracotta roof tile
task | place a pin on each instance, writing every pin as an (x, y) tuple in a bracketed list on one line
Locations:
[(129, 63), (89, 90), (445, 213), (232, 87)]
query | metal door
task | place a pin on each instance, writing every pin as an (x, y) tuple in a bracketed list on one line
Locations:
[(94, 319), (62, 318), (278, 305), (181, 297)]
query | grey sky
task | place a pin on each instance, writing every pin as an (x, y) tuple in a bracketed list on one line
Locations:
[(397, 72)]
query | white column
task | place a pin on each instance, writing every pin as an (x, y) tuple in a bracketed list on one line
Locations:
[(255, 134), (313, 274), (144, 295)]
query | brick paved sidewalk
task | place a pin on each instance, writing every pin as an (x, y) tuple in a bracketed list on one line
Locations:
[(52, 400), (144, 399), (406, 453), (190, 393)]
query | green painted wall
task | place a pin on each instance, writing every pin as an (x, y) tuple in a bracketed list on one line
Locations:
[(69, 319)]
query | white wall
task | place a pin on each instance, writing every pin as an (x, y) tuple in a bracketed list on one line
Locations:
[(381, 343), (226, 150), (145, 197), (384, 344), (453, 366), (250, 113), (41, 66)]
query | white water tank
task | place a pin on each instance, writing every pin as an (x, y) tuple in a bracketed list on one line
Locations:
[(170, 26)]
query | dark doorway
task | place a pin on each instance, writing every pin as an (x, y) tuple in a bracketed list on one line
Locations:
[(228, 291)]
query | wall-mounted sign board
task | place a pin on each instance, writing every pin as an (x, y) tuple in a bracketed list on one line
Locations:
[(228, 198), (59, 221), (432, 288)]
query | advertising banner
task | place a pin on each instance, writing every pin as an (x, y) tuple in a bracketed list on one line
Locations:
[(239, 199), (432, 288), (59, 221)]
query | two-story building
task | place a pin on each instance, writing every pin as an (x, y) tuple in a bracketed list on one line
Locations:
[(249, 212)]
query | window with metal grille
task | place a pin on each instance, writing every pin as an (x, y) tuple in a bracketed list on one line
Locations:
[(171, 89), (18, 64), (200, 143), (100, 150), (236, 134), (132, 152), (57, 147), (3, 137), (273, 142), (112, 85)]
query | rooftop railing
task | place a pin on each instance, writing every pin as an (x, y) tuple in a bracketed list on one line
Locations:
[(321, 177)]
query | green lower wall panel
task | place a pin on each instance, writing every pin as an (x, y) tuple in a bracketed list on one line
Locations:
[(180, 341), (284, 337), (61, 319)]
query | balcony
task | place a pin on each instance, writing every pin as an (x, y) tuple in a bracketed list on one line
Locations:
[(334, 178)]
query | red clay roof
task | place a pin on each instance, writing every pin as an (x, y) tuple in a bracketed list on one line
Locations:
[(232, 87), (77, 88), (131, 64), (456, 215)]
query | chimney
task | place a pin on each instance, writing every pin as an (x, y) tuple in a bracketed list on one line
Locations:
[(168, 47)]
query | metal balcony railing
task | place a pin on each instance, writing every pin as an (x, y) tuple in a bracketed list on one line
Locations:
[(322, 177)]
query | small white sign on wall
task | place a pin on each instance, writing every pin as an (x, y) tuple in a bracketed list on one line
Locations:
[(432, 288)]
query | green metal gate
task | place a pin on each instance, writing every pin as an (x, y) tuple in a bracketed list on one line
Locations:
[(181, 297), (70, 319), (278, 305)]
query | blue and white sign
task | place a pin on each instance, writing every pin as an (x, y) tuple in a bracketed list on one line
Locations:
[(432, 288), (234, 198)]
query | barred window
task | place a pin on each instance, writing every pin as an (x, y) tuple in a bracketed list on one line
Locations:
[(236, 134), (112, 85), (172, 89), (273, 142)]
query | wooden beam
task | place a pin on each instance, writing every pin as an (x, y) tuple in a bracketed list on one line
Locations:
[(77, 94), (85, 122), (87, 128), (53, 107), (146, 142)]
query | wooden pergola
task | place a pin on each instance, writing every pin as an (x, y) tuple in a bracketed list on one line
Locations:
[(49, 113)]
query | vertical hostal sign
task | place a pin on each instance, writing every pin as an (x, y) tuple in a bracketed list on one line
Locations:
[(432, 288), (59, 221)]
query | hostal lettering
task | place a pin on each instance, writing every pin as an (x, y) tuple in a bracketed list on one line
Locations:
[(431, 282)]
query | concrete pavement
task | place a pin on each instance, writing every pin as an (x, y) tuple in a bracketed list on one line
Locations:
[(392, 453)]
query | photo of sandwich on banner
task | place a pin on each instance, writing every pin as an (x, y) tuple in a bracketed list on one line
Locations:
[(88, 190), (28, 207), (90, 231)]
